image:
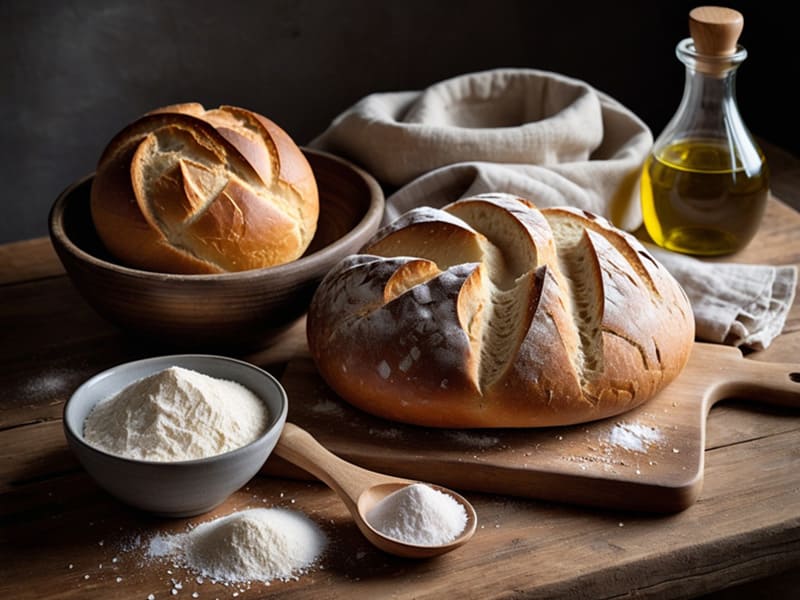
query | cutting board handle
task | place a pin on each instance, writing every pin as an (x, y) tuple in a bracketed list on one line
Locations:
[(772, 383)]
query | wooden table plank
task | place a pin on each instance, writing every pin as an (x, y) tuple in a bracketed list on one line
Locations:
[(28, 259)]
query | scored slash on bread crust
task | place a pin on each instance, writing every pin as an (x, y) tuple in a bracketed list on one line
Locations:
[(189, 190), (492, 313)]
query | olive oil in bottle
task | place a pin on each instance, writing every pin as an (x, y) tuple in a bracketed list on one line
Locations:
[(705, 184), (696, 200)]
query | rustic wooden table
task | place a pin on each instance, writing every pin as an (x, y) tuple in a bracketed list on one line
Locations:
[(63, 537)]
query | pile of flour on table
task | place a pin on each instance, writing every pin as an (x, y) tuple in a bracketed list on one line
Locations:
[(258, 544)]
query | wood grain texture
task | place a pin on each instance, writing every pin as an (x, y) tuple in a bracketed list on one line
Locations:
[(744, 525), (28, 259), (715, 29)]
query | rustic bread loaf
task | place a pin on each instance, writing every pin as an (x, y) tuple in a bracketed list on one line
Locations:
[(491, 313), (189, 190)]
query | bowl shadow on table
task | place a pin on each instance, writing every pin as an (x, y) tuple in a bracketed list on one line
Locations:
[(228, 311)]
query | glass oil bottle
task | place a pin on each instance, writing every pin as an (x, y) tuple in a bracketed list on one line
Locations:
[(705, 184)]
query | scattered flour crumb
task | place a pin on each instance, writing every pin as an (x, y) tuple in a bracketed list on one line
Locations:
[(405, 364), (634, 436), (384, 370), (386, 434), (326, 407), (473, 440)]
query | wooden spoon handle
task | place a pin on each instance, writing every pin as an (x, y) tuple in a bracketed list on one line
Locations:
[(349, 481)]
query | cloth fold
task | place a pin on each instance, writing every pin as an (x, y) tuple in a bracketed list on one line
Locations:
[(734, 304), (555, 141)]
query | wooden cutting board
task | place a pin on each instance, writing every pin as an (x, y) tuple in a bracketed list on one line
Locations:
[(649, 459)]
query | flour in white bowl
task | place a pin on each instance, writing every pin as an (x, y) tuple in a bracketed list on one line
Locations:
[(176, 414)]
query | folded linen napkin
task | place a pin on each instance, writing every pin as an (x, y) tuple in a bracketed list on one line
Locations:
[(734, 304), (555, 141)]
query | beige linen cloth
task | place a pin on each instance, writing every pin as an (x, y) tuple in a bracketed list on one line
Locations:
[(555, 141)]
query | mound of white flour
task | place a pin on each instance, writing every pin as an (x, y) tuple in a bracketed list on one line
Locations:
[(259, 544), (176, 414), (418, 514)]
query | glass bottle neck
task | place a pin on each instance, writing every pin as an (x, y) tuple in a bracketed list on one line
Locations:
[(708, 115), (706, 63), (708, 103)]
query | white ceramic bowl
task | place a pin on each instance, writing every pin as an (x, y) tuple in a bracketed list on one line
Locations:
[(175, 489)]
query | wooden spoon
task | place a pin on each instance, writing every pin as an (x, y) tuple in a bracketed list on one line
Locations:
[(361, 489)]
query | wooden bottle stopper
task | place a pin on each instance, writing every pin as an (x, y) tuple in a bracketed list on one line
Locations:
[(715, 30)]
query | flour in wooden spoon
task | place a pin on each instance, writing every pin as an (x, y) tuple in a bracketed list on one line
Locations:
[(420, 515), (176, 414)]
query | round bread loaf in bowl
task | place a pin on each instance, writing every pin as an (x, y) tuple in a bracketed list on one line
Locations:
[(492, 313), (189, 190), (186, 272)]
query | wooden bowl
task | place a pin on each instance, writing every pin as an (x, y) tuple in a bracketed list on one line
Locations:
[(235, 310)]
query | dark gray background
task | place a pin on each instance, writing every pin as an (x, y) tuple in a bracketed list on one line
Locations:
[(73, 73)]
